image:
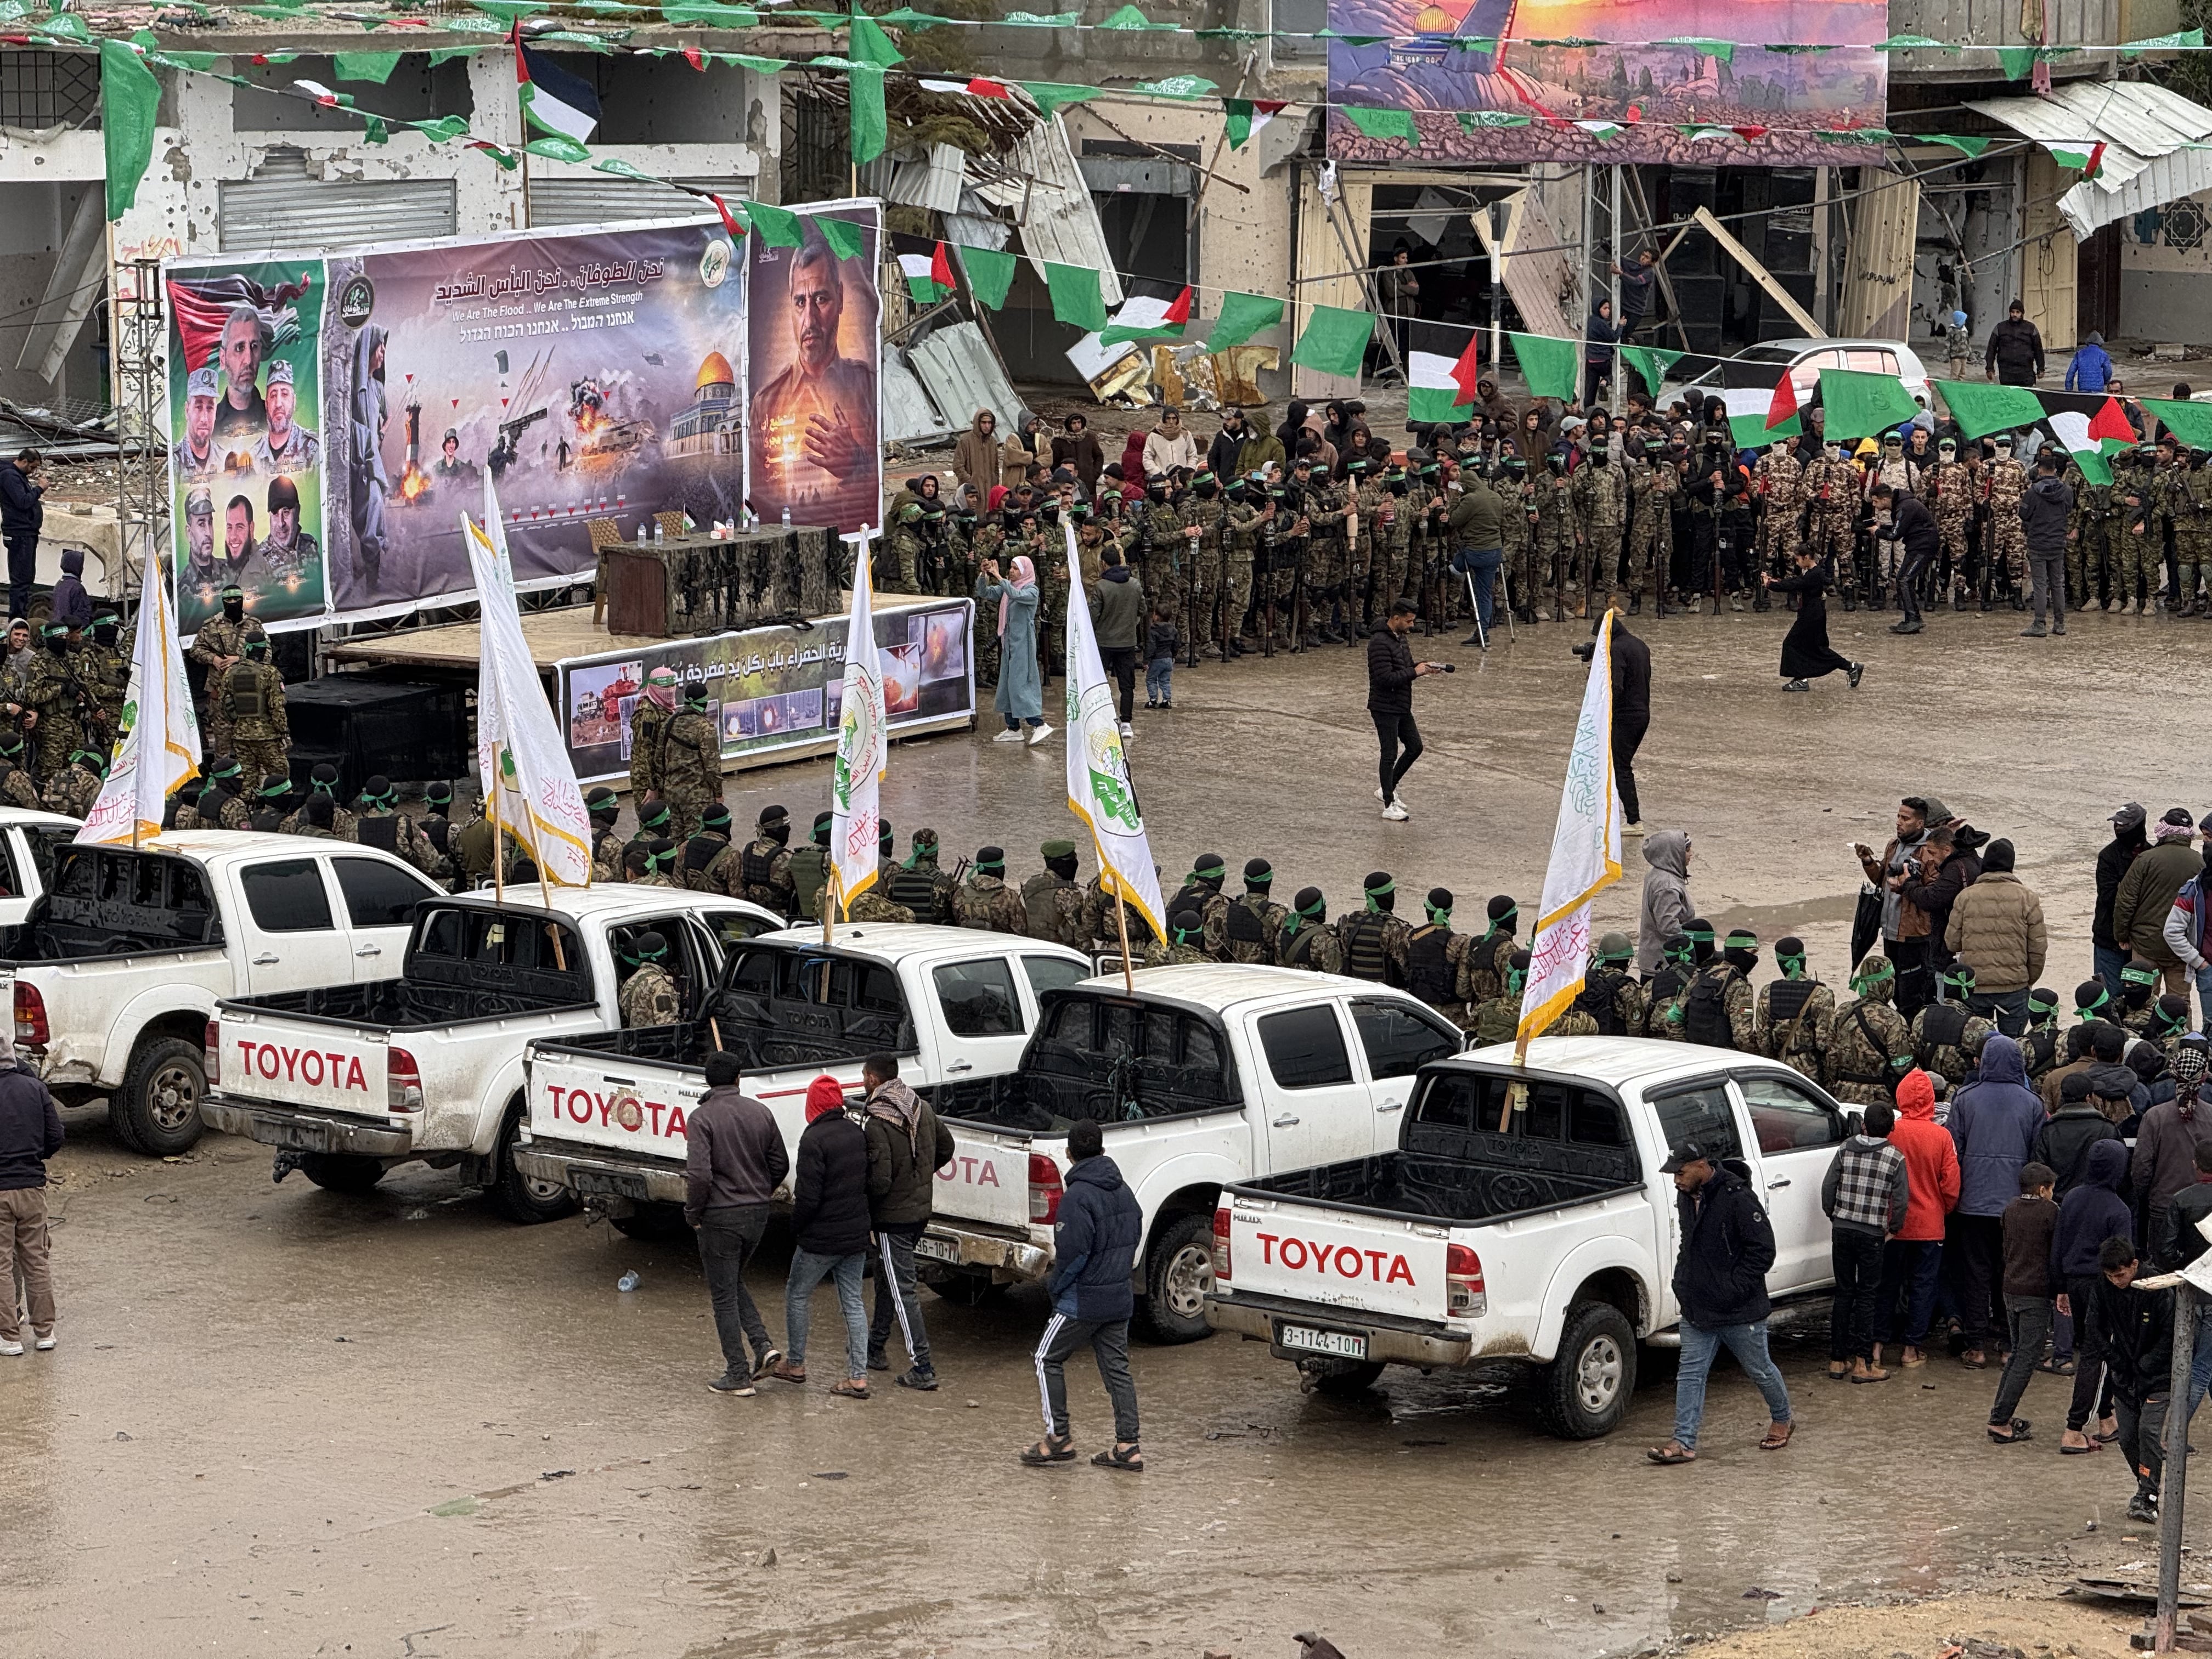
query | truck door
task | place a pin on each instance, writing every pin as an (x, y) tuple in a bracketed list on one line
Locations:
[(1796, 1131), (981, 1025), (1702, 1110), (380, 902), (1397, 1040), (1313, 1108), (289, 932)]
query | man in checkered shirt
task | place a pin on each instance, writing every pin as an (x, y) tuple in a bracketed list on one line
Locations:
[(1864, 1196)]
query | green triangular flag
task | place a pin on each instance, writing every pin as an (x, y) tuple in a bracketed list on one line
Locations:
[(990, 274), (1051, 96), (1076, 300), (130, 99), (558, 147), (445, 128), (1858, 404), (760, 65), (775, 227), (1912, 43), (1383, 123), (1243, 315), (376, 132), (1724, 50), (1649, 363), (1980, 408), (621, 169), (871, 126), (1184, 86), (709, 13), (2015, 61), (1966, 146), (1470, 119), (870, 44), (847, 239), (375, 66), (1336, 340), (1130, 18), (1548, 365), (2189, 422), (2187, 40), (449, 53)]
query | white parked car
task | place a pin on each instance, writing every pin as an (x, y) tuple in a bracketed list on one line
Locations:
[(1805, 359)]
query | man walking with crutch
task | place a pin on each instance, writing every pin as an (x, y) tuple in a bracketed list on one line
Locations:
[(1478, 533)]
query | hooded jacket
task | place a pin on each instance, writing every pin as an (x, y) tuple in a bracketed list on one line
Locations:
[(2138, 1331), (2165, 1161), (1960, 869), (829, 1187), (1117, 609), (1997, 929), (2091, 368), (2043, 512), (22, 513), (2064, 1141), (1080, 453), (1094, 1244), (1727, 1246), (2112, 862), (907, 1146), (975, 459), (72, 605), (1931, 1161), (2093, 1212), (1994, 1122), (1666, 903), (2146, 892)]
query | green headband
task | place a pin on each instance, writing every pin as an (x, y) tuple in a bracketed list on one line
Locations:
[(276, 790), (2088, 1010), (384, 800), (1790, 965), (1698, 935), (1184, 935), (633, 954), (1883, 974), (992, 868), (1740, 939), (2136, 974), (656, 814), (1497, 922), (659, 861), (1959, 975), (1437, 914), (1516, 980), (1374, 893)]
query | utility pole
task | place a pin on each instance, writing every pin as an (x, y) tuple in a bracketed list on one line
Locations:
[(1583, 286)]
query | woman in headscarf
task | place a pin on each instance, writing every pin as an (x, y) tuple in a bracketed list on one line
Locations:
[(367, 481), (1020, 699), (1021, 451), (1806, 652)]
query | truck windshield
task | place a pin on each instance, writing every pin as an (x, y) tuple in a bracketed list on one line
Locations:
[(513, 951), (780, 1005), (104, 899), (1112, 1060)]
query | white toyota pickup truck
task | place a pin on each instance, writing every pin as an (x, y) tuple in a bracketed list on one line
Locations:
[(350, 1081), (1207, 1075), (118, 966), (1549, 1241), (607, 1110)]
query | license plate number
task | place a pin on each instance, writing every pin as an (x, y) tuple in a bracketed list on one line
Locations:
[(609, 1186), (1339, 1344), (301, 1137), (936, 1249)]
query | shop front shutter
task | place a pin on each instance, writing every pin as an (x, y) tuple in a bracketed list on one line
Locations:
[(600, 199), (296, 212)]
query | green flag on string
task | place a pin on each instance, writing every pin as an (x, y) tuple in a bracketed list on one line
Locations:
[(1966, 145), (871, 125), (1076, 300), (1980, 408), (1651, 364), (2187, 40), (130, 100), (1859, 404), (775, 227), (1547, 365), (2191, 423), (2015, 61), (375, 66), (558, 147), (990, 274), (847, 239), (1243, 315), (443, 129), (1336, 340), (375, 132), (870, 44), (1383, 123), (1051, 96)]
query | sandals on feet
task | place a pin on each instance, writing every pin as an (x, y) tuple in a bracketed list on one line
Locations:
[(1672, 1452), (2018, 1432), (851, 1388), (1771, 1442), (1131, 1460), (1049, 1450)]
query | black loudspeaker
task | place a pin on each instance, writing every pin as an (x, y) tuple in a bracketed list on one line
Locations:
[(370, 723)]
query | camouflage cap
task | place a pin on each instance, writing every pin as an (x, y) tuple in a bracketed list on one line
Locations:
[(204, 383), (280, 371)]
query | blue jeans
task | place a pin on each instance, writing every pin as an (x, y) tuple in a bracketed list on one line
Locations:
[(1159, 680), (1910, 1269), (2203, 977), (808, 1270), (2009, 1009), (1700, 1345), (2108, 965), (2200, 1363), (1482, 564)]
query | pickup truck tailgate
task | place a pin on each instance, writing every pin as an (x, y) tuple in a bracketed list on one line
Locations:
[(303, 1063), (638, 1109), (1369, 1263), (989, 1178)]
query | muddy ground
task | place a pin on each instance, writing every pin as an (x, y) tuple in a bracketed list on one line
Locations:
[(286, 1422)]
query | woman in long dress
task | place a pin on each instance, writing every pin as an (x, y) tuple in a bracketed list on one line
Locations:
[(1021, 690), (1806, 652)]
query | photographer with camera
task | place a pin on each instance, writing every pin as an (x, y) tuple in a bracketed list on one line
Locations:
[(1391, 671)]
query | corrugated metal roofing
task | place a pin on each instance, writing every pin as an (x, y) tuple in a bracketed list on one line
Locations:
[(2144, 129), (977, 230), (913, 179), (957, 365), (909, 418), (1058, 221)]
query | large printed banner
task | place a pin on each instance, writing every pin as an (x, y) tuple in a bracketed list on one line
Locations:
[(1554, 69), (332, 416), (774, 688)]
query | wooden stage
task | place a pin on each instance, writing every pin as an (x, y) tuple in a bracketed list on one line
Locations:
[(554, 636)]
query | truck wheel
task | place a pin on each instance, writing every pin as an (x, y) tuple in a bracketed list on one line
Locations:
[(968, 1290), (1178, 1273), (1586, 1390), (157, 1110), (653, 1224), (516, 1196), (341, 1172), (1342, 1379)]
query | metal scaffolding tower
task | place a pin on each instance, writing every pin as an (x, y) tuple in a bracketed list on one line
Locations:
[(142, 406)]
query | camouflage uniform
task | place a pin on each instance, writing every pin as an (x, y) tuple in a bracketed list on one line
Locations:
[(72, 792), (606, 851), (1240, 532), (1393, 542), (988, 542), (764, 874), (1653, 487), (104, 673), (1830, 519), (1158, 955), (1601, 499), (877, 904), (1482, 974), (18, 787), (1052, 908), (1314, 945), (1099, 920), (986, 902), (1870, 1046), (1329, 564), (1203, 560), (1496, 1019), (1555, 538), (1737, 1001), (898, 559), (1948, 1060), (1380, 960), (2191, 498), (1801, 1040), (708, 864), (344, 826), (1779, 480), (648, 724), (1249, 926), (690, 769), (260, 739), (1518, 536), (408, 840), (2007, 537), (2139, 556), (649, 996), (52, 688), (219, 637), (1952, 487)]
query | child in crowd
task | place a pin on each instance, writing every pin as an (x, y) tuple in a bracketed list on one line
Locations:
[(1159, 660), (2029, 1224)]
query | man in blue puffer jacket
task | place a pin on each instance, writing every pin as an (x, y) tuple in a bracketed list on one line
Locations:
[(1094, 1251)]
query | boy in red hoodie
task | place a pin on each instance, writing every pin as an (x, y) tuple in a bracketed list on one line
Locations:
[(1912, 1260)]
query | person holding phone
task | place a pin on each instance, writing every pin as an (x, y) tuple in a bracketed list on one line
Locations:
[(1391, 671)]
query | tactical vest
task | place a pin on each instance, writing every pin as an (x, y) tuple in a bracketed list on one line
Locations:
[(1364, 955), (810, 873), (1884, 1079), (756, 867), (699, 852), (2039, 1050), (916, 888), (1662, 988), (268, 820), (1704, 1010), (1786, 999), (1600, 999), (1301, 946), (1429, 974), (380, 830), (438, 827), (1194, 896), (1244, 928), (242, 696), (1943, 1023)]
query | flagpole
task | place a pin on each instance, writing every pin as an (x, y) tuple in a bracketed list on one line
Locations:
[(1122, 922), (498, 861), (546, 894)]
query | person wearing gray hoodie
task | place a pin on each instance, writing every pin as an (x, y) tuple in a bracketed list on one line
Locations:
[(907, 1146), (1665, 907)]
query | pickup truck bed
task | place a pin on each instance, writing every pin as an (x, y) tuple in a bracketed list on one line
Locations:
[(406, 1004)]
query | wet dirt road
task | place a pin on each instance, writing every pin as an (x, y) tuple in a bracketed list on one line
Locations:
[(286, 1422)]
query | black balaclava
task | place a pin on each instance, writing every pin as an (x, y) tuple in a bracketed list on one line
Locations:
[(1700, 935), (233, 604), (1259, 876), (773, 824), (1382, 891), (1741, 951), (1208, 871)]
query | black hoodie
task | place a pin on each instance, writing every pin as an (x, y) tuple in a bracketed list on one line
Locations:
[(2112, 862), (1727, 1246)]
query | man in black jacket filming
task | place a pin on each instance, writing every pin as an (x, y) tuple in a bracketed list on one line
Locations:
[(1911, 523), (1720, 1289)]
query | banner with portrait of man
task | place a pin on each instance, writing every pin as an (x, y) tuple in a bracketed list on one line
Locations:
[(815, 372), (244, 458)]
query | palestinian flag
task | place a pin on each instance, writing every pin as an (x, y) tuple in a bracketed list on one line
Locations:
[(928, 276), (1144, 322), (1782, 410), (1247, 116), (978, 88), (1440, 390), (1748, 409), (2090, 425), (2085, 158), (553, 100)]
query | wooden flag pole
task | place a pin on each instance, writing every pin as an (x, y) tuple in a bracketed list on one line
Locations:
[(498, 861), (545, 892), (1122, 922)]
